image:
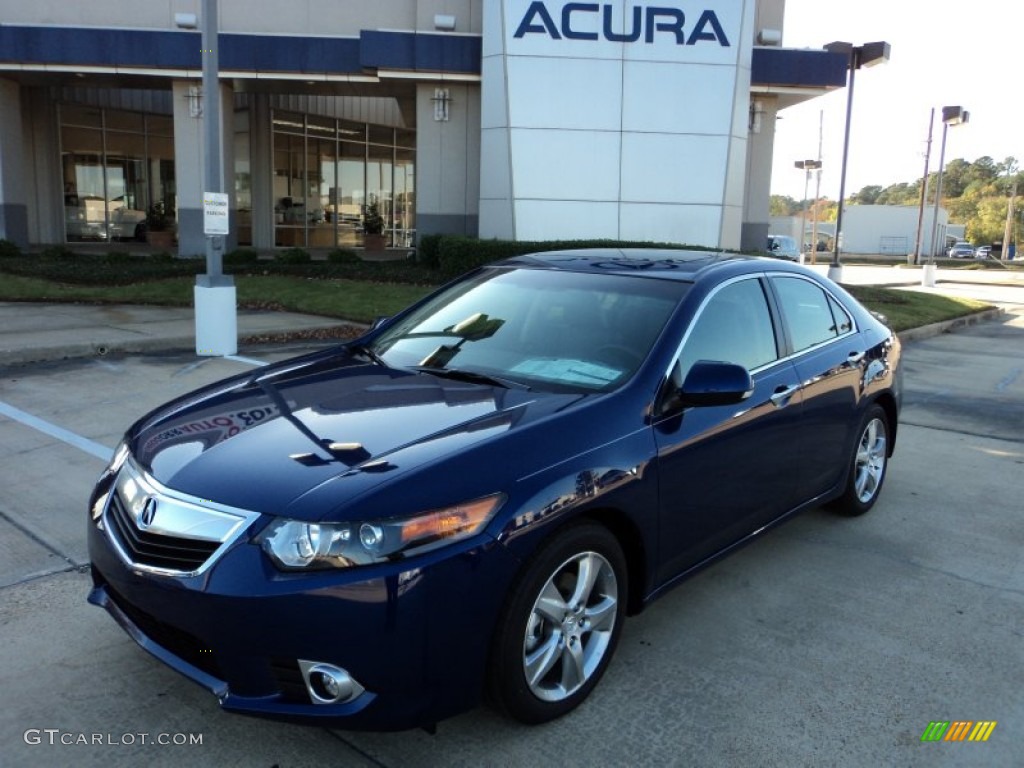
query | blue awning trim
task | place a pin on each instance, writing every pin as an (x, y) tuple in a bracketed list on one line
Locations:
[(797, 68), (421, 52), (409, 51), (258, 53)]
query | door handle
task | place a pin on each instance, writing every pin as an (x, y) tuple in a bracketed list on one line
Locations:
[(780, 398), (855, 357)]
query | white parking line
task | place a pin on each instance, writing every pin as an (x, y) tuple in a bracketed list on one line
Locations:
[(82, 443), (247, 360)]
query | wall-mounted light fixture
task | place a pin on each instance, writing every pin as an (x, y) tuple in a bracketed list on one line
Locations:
[(195, 101), (442, 100), (444, 22), (756, 116), (186, 21)]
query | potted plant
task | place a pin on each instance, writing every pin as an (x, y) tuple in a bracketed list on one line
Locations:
[(159, 225), (373, 228)]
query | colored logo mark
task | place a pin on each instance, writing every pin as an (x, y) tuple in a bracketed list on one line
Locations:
[(958, 730)]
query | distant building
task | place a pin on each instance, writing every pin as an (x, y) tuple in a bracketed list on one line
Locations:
[(499, 118), (887, 230)]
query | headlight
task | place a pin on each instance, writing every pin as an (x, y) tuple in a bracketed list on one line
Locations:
[(293, 544)]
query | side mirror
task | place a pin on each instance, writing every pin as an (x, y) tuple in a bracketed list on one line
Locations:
[(716, 383)]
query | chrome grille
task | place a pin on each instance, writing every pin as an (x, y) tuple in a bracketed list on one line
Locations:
[(157, 529), (156, 549)]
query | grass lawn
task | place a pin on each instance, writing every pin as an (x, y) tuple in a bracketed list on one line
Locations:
[(911, 309), (356, 300), (359, 300)]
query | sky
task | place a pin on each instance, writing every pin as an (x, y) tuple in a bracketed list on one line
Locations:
[(944, 53)]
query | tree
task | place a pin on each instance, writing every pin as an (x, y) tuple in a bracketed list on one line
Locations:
[(784, 205), (867, 196)]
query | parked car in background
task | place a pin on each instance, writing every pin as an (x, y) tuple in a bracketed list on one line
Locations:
[(474, 495), (983, 252), (961, 251), (783, 246)]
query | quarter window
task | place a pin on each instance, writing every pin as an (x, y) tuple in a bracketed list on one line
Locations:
[(809, 314), (735, 326)]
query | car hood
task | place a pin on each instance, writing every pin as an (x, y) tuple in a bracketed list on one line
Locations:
[(261, 442)]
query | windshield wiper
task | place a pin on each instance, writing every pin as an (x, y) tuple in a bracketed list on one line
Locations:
[(461, 374), (367, 352)]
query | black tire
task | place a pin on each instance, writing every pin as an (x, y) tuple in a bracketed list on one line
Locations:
[(565, 657), (868, 464)]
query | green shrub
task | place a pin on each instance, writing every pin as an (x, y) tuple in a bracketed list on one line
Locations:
[(427, 250), (119, 256), (343, 256), (59, 252), (9, 250), (293, 256), (241, 257)]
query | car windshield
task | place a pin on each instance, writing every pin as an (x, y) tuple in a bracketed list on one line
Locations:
[(546, 329)]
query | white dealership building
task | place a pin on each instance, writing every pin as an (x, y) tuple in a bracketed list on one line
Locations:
[(525, 119)]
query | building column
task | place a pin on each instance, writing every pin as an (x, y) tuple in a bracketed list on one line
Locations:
[(189, 154), (757, 197), (261, 166), (13, 197), (448, 161)]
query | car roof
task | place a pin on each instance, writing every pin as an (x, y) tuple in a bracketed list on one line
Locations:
[(665, 263)]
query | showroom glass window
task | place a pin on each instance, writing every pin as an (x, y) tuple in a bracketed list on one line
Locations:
[(115, 164), (328, 171), (812, 316), (734, 326)]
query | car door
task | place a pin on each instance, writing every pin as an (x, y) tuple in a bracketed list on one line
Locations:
[(725, 471), (829, 356)]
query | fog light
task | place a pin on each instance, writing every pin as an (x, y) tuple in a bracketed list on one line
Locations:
[(328, 684)]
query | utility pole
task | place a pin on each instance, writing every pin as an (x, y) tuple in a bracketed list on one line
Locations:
[(817, 192), (1008, 231), (924, 189)]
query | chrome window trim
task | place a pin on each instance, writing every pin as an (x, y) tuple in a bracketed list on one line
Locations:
[(854, 329), (700, 310), (223, 523)]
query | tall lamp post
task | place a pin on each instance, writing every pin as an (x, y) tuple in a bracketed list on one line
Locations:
[(214, 292), (950, 116), (808, 166), (867, 55)]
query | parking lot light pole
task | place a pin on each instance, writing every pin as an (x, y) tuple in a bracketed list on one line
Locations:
[(867, 55), (215, 301), (808, 166), (950, 116)]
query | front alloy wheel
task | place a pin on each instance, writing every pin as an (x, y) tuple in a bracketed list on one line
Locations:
[(560, 629)]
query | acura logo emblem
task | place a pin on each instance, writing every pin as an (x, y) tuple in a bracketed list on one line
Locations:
[(148, 513)]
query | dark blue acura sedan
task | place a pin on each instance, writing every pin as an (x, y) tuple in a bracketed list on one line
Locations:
[(468, 501)]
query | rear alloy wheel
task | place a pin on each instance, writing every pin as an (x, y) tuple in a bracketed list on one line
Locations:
[(870, 458), (561, 625)]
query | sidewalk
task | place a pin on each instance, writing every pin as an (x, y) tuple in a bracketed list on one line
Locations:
[(31, 332)]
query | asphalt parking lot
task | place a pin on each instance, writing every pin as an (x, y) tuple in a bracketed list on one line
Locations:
[(829, 642)]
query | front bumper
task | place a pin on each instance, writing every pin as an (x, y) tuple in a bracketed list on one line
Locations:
[(414, 635)]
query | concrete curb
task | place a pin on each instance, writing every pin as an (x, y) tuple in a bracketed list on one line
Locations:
[(944, 326)]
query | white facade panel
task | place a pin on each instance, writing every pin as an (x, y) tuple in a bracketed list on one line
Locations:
[(565, 219), (496, 218), (494, 98), (565, 165), (686, 224), (665, 168), (577, 93), (660, 98), (494, 147), (659, 102)]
